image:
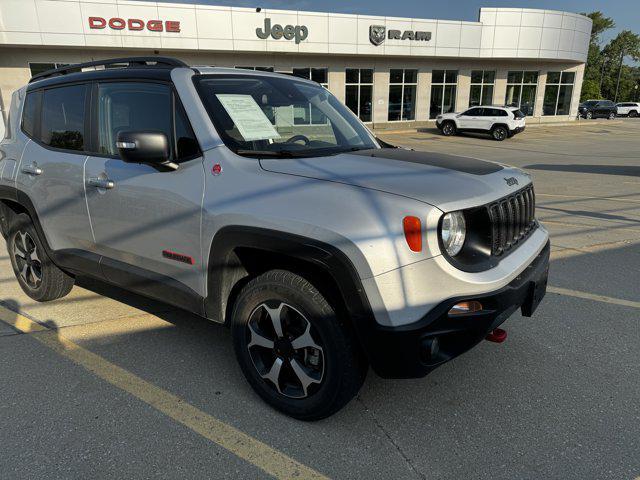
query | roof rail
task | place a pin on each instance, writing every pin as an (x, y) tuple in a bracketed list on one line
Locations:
[(129, 61)]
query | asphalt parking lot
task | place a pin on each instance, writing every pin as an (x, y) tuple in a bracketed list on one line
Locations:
[(106, 383)]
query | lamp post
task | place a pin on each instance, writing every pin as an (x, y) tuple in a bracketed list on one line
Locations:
[(635, 93), (605, 60)]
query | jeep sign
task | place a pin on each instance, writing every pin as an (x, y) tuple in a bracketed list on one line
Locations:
[(378, 33), (299, 32)]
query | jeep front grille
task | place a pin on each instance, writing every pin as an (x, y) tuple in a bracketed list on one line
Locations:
[(512, 220)]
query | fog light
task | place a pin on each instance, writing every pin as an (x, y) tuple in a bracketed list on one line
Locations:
[(429, 349), (462, 308)]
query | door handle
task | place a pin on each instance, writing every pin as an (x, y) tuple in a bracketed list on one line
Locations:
[(32, 169), (101, 183)]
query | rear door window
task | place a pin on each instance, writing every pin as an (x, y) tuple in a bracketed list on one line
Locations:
[(62, 120)]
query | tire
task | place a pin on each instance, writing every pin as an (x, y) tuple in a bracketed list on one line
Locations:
[(4, 221), (449, 128), (589, 115), (328, 357), (37, 275), (633, 114), (499, 133), (612, 116)]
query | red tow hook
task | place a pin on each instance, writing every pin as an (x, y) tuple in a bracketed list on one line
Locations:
[(497, 336)]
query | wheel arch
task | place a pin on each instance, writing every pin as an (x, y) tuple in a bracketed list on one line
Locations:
[(239, 253)]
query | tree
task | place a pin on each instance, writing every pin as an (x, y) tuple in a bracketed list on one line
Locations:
[(590, 90), (596, 61), (605, 71), (620, 80)]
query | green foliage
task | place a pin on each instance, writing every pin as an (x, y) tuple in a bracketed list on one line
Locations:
[(605, 64), (590, 90)]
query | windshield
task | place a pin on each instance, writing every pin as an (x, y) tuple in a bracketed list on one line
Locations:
[(279, 116), (590, 103)]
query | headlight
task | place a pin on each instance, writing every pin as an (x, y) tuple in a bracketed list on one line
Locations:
[(453, 232), (439, 117)]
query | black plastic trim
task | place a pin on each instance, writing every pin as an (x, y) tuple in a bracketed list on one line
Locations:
[(398, 352)]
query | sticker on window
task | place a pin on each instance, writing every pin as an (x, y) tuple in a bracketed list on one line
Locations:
[(249, 118)]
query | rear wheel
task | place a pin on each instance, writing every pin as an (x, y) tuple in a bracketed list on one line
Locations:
[(37, 275), (499, 133), (448, 128), (612, 115), (292, 347)]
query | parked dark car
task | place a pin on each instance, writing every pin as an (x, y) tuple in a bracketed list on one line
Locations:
[(598, 108)]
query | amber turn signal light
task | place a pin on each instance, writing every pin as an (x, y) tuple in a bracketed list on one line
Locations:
[(462, 308), (413, 233)]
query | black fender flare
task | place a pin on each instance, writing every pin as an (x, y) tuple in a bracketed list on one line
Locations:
[(222, 272)]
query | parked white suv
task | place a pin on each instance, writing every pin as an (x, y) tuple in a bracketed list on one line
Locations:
[(630, 109), (499, 122)]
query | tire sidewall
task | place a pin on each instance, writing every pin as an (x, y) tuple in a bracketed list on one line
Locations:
[(589, 115), (449, 124), (503, 137), (23, 223), (327, 331)]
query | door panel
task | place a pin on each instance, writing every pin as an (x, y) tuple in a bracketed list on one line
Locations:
[(145, 219), (146, 213), (52, 176)]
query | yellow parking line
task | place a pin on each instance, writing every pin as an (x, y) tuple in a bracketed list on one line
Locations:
[(592, 296), (257, 453)]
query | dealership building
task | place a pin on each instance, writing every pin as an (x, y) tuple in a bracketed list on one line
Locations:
[(388, 70)]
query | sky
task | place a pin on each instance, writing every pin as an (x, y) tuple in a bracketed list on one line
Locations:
[(626, 13)]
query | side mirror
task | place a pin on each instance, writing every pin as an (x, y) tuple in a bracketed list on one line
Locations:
[(151, 148)]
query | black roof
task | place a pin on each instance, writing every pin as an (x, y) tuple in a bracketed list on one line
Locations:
[(131, 68)]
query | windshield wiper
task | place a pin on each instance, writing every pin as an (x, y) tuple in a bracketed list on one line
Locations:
[(266, 153)]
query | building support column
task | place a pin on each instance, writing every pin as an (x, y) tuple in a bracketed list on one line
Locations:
[(463, 90), (337, 82), (500, 87), (380, 96), (423, 95)]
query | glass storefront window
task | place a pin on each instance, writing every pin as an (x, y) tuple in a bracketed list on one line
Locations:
[(359, 92), (558, 93), (521, 90), (443, 92), (481, 92), (402, 94), (318, 75)]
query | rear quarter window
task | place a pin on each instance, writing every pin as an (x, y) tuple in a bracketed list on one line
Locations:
[(30, 113), (62, 123)]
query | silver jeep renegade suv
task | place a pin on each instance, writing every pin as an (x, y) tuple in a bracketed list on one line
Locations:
[(259, 201)]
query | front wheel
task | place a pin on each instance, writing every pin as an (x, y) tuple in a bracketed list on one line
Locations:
[(37, 275), (499, 133), (4, 221), (633, 114), (589, 115), (293, 349), (449, 129)]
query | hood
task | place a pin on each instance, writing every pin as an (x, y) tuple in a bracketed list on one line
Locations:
[(449, 182)]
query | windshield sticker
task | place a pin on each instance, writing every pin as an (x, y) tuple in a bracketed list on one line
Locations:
[(249, 118)]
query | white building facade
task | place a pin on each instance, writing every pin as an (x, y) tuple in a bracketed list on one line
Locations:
[(388, 70)]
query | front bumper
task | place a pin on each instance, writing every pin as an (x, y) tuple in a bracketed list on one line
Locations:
[(518, 130), (405, 352)]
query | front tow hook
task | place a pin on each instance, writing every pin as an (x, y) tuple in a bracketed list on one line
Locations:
[(497, 336)]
